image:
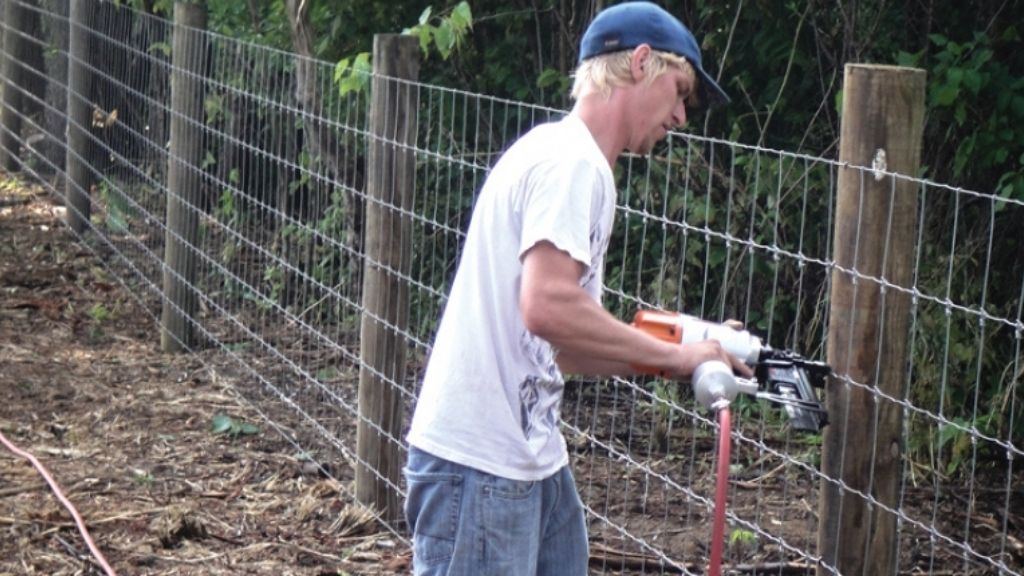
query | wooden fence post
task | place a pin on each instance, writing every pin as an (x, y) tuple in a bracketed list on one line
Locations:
[(188, 64), (876, 218), (13, 84), (390, 170), (79, 177)]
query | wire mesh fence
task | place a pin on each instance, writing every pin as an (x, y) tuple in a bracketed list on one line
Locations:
[(709, 227)]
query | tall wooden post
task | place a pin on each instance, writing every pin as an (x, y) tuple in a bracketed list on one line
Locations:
[(56, 93), (188, 63), (79, 177), (13, 83), (876, 215), (390, 170)]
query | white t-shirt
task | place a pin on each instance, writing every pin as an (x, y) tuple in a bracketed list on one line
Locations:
[(492, 391)]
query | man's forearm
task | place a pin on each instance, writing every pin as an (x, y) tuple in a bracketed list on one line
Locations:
[(583, 366)]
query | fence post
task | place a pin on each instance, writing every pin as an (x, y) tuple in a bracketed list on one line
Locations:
[(13, 80), (390, 170), (876, 215), (55, 96), (79, 178), (188, 63)]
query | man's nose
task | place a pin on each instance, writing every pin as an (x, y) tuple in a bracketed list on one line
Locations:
[(679, 114)]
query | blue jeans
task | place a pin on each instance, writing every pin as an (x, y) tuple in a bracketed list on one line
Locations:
[(468, 522)]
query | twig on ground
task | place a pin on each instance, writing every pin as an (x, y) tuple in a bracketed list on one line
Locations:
[(15, 490)]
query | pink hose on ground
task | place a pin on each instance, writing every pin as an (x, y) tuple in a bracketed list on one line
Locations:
[(721, 491), (63, 500)]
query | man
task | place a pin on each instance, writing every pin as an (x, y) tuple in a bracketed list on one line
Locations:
[(490, 491)]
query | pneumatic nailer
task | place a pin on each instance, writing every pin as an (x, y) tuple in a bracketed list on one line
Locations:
[(781, 376)]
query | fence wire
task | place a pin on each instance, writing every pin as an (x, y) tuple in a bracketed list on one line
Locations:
[(709, 227)]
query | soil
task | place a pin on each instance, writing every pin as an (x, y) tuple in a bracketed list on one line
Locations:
[(129, 434)]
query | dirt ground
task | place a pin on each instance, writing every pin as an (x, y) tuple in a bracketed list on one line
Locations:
[(128, 433), (131, 435)]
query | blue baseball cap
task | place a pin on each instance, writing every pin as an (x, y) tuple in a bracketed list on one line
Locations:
[(630, 24)]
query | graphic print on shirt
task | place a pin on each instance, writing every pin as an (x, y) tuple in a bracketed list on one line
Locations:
[(598, 242), (539, 403), (539, 396)]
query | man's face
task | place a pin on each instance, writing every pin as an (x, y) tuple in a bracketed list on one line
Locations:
[(660, 107)]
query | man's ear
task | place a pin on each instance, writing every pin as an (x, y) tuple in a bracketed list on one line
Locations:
[(638, 61)]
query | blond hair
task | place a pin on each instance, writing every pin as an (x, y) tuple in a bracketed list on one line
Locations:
[(604, 72)]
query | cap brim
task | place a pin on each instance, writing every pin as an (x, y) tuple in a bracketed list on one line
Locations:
[(711, 94)]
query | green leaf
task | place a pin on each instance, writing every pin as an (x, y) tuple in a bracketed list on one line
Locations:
[(1017, 105), (361, 66), (676, 203), (221, 423), (246, 428), (354, 77), (981, 57), (425, 33), (214, 106), (425, 16), (972, 80), (960, 114), (444, 38), (938, 39), (462, 17), (161, 47), (716, 255), (340, 69), (946, 95), (955, 76), (548, 77), (907, 58), (99, 313)]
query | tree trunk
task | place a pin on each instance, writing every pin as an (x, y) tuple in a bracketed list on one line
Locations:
[(320, 141)]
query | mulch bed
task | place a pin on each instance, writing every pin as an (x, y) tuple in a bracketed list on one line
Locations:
[(128, 432)]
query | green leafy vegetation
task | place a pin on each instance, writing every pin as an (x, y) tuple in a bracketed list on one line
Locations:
[(447, 34), (99, 313), (224, 424)]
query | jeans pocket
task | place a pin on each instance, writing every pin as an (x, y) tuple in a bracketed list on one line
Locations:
[(432, 510), (506, 489)]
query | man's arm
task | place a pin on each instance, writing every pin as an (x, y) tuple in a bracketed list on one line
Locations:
[(589, 339)]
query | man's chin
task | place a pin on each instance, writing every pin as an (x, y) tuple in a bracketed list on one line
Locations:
[(643, 149)]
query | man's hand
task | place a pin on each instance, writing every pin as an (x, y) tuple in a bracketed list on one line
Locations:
[(692, 355)]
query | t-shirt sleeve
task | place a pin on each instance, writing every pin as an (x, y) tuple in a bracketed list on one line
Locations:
[(556, 206)]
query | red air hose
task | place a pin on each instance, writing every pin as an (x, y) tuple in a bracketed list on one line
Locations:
[(721, 488), (63, 500)]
